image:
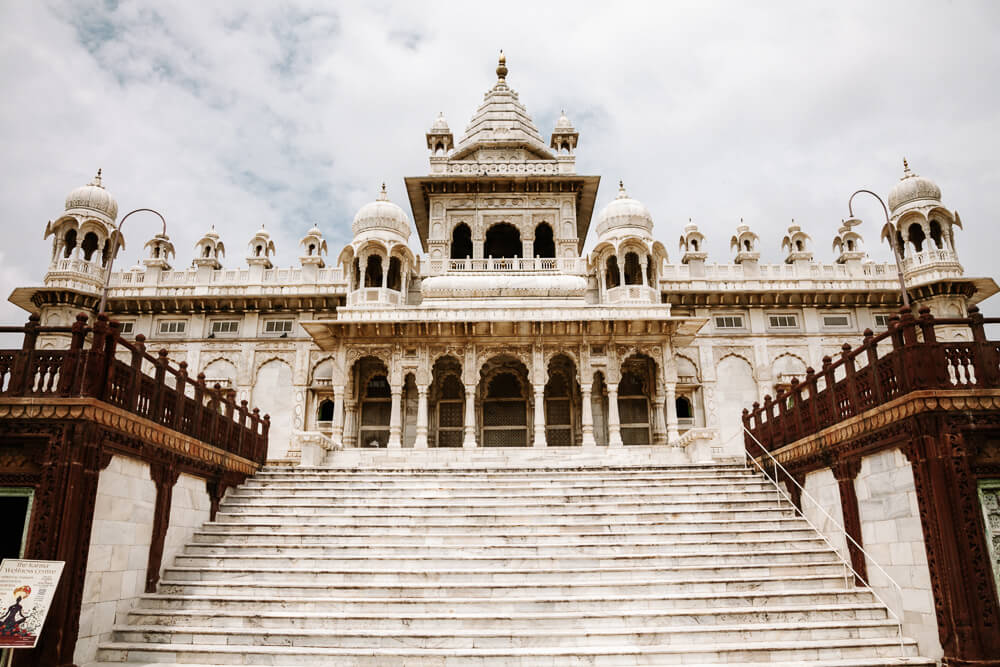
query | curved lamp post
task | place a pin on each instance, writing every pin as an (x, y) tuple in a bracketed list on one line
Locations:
[(114, 250), (890, 233)]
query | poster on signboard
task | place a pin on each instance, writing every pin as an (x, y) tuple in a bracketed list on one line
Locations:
[(26, 591)]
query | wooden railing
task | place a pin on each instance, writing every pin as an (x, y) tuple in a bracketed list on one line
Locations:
[(863, 379), (144, 385)]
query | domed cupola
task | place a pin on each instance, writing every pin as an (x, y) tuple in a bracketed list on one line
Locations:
[(381, 219), (440, 140), (912, 188), (624, 216), (92, 200), (261, 249), (208, 250)]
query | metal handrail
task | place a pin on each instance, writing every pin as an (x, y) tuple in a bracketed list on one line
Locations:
[(838, 525)]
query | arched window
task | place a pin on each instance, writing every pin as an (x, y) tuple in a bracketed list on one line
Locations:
[(683, 408), (612, 276), (558, 412), (650, 272), (746, 244), (208, 252), (394, 279), (89, 245), (799, 246), (450, 412), (325, 411), (900, 245), (376, 409), (917, 237), (312, 249), (850, 245), (633, 274), (694, 245), (106, 253), (258, 250), (373, 271), (505, 412), (70, 242), (503, 240), (936, 233), (633, 410), (544, 245), (357, 273), (461, 241)]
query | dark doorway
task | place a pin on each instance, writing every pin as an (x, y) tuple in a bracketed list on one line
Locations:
[(503, 240), (461, 241), (544, 245), (14, 508)]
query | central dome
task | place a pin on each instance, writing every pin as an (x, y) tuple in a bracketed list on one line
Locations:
[(383, 215), (624, 212), (92, 198)]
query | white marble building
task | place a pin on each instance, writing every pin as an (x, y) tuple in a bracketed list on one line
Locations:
[(502, 331)]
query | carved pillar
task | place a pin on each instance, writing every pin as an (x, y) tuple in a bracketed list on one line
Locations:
[(395, 418), (673, 434), (470, 416), (539, 415), (337, 435), (965, 596), (164, 477), (614, 422), (350, 422), (421, 441), (846, 471), (587, 416), (659, 427)]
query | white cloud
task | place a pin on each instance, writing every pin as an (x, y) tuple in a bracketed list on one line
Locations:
[(289, 114)]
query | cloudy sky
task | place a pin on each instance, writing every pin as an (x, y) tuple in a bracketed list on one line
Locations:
[(290, 114)]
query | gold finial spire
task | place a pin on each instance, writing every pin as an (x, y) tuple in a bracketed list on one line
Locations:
[(502, 67)]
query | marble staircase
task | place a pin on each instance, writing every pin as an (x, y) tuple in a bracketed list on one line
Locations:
[(533, 566)]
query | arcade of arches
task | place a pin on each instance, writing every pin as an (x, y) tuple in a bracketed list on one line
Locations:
[(382, 401)]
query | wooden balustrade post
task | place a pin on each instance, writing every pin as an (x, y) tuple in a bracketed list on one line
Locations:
[(262, 454), (198, 425), (986, 361), (69, 372), (782, 401), (135, 381), (159, 387), (181, 397), (21, 374), (255, 429), (813, 386), (110, 345), (95, 372), (830, 381), (768, 431), (871, 349), (796, 392), (747, 440), (853, 401), (241, 441), (216, 407)]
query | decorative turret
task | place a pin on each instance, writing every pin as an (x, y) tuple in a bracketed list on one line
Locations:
[(83, 238), (848, 244), (564, 136), (261, 248), (313, 249), (692, 244), (797, 243), (208, 250), (440, 140), (160, 250), (745, 244)]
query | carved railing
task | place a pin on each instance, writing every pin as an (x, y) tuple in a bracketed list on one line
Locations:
[(143, 385), (907, 357)]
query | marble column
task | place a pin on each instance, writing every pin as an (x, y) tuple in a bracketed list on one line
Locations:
[(337, 434), (540, 415), (470, 416), (672, 433), (659, 427), (395, 421), (421, 441), (587, 416), (614, 422), (350, 423)]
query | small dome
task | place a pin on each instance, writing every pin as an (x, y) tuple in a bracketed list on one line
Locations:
[(92, 198), (314, 232), (624, 211), (381, 214), (563, 122), (912, 188), (440, 124), (262, 233)]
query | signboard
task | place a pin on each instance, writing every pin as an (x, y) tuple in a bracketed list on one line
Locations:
[(26, 591)]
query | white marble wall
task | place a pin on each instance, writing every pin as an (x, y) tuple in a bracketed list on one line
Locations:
[(893, 537), (190, 507), (822, 486), (119, 551)]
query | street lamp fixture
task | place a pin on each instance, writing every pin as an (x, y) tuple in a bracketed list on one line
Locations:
[(889, 232), (114, 250)]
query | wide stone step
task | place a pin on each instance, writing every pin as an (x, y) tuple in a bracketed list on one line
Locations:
[(741, 652), (379, 517), (600, 635), (607, 602), (617, 534), (257, 555), (363, 585), (502, 507), (416, 621), (705, 485), (501, 573)]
